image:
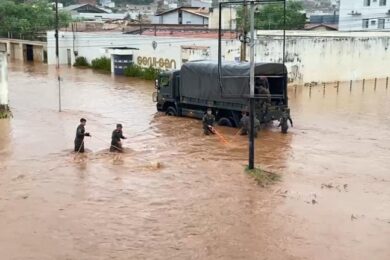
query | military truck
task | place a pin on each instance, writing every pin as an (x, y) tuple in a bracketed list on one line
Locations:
[(198, 85)]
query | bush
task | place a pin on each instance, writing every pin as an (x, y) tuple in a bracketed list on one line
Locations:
[(139, 72), (133, 71), (150, 73), (81, 62), (102, 63)]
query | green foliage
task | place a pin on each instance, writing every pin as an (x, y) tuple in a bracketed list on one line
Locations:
[(29, 17), (102, 63), (5, 112), (262, 177), (150, 73), (270, 17), (81, 62), (139, 72), (133, 71)]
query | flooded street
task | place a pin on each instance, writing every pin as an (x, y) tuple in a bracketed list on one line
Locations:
[(176, 194)]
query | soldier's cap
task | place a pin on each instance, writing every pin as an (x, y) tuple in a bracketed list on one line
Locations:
[(83, 120), (118, 125)]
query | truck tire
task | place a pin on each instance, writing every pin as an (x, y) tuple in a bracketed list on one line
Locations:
[(284, 127), (171, 111), (223, 121)]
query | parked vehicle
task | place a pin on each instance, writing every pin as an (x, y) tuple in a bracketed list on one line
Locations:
[(196, 86)]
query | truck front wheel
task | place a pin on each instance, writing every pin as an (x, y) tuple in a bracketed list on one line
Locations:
[(171, 111), (223, 121), (284, 127)]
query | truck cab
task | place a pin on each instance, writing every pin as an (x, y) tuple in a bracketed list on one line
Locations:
[(167, 95)]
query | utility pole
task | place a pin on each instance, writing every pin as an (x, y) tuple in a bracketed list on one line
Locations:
[(4, 109), (245, 40), (244, 32), (251, 163), (58, 59)]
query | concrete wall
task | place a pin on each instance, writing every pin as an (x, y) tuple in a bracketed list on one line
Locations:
[(372, 13), (92, 45), (17, 49), (38, 53), (310, 56), (328, 56)]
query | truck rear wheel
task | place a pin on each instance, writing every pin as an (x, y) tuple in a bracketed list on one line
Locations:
[(223, 121), (284, 127), (171, 111)]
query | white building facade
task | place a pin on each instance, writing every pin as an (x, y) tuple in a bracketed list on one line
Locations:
[(310, 56), (364, 15), (182, 16)]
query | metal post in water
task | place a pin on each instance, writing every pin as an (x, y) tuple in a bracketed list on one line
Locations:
[(323, 93), (387, 82), (58, 60), (350, 86), (251, 164), (338, 85), (375, 84), (364, 82)]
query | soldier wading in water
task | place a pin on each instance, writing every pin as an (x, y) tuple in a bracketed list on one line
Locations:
[(208, 122), (80, 133), (117, 135)]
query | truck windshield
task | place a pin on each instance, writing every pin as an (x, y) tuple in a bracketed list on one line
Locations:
[(164, 81)]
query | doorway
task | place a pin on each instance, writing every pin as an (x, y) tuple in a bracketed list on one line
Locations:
[(29, 52)]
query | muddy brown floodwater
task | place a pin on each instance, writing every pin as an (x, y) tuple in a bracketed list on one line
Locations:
[(176, 194)]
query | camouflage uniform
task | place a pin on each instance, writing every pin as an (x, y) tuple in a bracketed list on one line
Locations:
[(245, 125), (283, 121), (116, 145), (208, 120), (79, 140)]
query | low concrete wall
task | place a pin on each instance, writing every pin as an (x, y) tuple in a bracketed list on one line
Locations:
[(17, 49), (38, 53)]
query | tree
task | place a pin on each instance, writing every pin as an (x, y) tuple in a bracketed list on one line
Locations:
[(29, 17), (271, 17)]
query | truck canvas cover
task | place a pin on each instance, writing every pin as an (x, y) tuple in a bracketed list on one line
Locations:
[(199, 79)]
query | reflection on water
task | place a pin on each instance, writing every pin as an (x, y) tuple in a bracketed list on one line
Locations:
[(176, 194)]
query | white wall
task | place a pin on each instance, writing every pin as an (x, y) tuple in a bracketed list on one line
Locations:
[(91, 46), (328, 56), (350, 22), (311, 56), (170, 18), (189, 18)]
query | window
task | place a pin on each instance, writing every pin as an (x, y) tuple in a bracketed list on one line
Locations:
[(381, 23), (382, 2), (164, 81), (367, 2), (373, 22), (365, 23)]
